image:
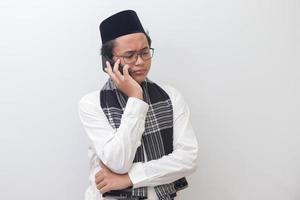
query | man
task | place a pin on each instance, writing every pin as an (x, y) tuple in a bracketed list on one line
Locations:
[(142, 142)]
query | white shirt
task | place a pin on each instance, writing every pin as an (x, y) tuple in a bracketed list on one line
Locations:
[(116, 148)]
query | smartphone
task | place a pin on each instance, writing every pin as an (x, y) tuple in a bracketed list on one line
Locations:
[(112, 63)]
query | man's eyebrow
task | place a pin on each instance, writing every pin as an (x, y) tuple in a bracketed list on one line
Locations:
[(129, 52)]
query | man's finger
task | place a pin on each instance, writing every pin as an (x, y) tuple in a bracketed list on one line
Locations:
[(116, 64), (105, 189), (116, 68), (98, 173), (126, 71), (101, 185), (108, 68), (117, 71), (110, 72), (98, 179)]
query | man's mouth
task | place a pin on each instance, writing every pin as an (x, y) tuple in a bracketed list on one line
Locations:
[(138, 72)]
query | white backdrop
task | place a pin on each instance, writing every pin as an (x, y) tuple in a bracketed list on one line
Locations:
[(236, 63)]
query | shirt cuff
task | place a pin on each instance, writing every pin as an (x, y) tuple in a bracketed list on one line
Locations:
[(137, 175), (135, 106)]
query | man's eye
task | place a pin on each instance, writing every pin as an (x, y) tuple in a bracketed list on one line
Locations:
[(146, 52), (129, 56)]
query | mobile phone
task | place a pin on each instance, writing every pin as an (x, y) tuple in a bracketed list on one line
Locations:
[(112, 63)]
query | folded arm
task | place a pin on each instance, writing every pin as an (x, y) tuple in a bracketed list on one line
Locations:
[(181, 162)]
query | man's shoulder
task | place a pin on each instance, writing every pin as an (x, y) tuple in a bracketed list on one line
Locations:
[(91, 98), (170, 90)]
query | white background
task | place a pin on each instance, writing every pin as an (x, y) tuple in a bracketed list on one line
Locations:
[(236, 62)]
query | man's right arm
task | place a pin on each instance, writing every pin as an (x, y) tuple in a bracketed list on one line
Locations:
[(115, 148)]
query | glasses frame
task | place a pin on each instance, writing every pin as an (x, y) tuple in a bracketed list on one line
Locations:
[(136, 54)]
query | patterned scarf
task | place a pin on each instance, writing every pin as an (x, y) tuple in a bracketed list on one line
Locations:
[(157, 139)]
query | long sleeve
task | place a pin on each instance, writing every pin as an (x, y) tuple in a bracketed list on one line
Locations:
[(115, 148), (181, 162)]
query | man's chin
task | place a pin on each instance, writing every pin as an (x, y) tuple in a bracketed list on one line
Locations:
[(139, 79)]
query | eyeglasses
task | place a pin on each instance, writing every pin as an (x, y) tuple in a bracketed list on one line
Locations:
[(131, 57)]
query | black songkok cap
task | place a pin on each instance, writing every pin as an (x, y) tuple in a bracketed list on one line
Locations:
[(119, 24)]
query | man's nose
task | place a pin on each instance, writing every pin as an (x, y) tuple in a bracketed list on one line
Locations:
[(139, 60)]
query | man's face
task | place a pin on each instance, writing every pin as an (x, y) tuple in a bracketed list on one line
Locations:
[(128, 44)]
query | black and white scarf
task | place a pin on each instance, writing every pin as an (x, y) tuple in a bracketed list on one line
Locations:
[(157, 139)]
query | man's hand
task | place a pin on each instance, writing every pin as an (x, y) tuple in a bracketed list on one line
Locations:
[(106, 180), (125, 82)]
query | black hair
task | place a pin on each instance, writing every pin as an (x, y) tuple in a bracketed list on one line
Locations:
[(107, 47)]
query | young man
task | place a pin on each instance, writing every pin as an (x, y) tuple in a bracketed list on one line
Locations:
[(142, 142)]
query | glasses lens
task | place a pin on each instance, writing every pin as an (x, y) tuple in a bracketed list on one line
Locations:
[(130, 60), (145, 55)]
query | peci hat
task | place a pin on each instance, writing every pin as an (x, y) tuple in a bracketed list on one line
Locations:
[(119, 24)]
